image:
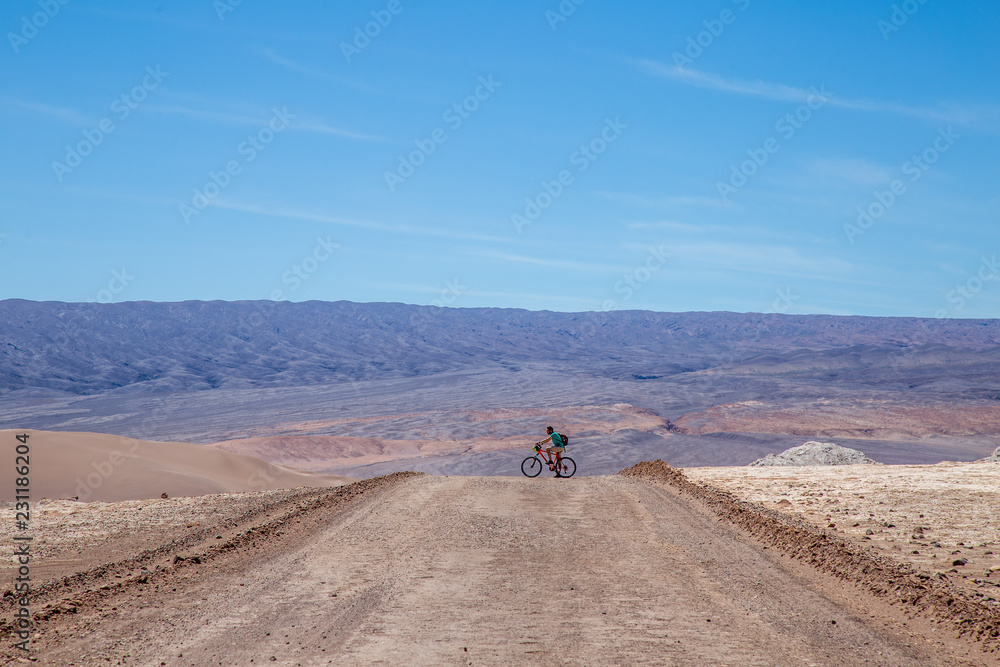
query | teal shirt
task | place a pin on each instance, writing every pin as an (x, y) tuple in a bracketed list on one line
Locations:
[(557, 440)]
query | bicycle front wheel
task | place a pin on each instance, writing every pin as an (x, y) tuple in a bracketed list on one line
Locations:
[(567, 467), (531, 466)]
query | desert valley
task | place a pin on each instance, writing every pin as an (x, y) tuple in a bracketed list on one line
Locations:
[(367, 457)]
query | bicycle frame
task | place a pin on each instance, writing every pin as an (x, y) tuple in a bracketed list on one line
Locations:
[(550, 459)]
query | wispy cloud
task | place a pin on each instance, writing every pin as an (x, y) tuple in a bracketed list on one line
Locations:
[(982, 118), (316, 73), (666, 201), (305, 70), (768, 259), (223, 117), (852, 170), (98, 193), (229, 118), (347, 222), (64, 114), (588, 267), (670, 225), (322, 128)]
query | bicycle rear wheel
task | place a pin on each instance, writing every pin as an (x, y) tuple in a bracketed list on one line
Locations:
[(531, 466), (566, 467)]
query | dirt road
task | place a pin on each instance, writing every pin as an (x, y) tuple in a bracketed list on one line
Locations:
[(496, 571)]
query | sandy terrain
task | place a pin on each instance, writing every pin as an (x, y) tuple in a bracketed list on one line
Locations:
[(487, 571), (930, 516), (310, 445), (94, 466)]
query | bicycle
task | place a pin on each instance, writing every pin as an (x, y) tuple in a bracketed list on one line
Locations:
[(532, 466)]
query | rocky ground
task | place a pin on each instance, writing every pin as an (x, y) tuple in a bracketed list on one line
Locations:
[(646, 567), (940, 518), (72, 536)]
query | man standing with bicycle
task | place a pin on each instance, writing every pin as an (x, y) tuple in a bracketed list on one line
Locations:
[(557, 448)]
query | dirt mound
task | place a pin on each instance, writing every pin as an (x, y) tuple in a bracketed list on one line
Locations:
[(816, 454), (259, 524), (883, 576)]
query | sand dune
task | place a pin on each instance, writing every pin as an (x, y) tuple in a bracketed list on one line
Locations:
[(95, 466)]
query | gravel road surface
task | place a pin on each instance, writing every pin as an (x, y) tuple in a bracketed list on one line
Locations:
[(493, 571)]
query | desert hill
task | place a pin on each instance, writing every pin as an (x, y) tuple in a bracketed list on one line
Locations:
[(94, 466), (89, 348), (390, 384)]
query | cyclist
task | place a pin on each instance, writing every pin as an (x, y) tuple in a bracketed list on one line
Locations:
[(557, 448)]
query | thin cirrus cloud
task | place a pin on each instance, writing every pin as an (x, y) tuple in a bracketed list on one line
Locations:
[(305, 70), (228, 118), (666, 201), (362, 224), (587, 267), (70, 116), (981, 118), (769, 260), (315, 73), (852, 170)]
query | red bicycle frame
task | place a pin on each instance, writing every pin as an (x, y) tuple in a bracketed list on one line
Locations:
[(550, 459)]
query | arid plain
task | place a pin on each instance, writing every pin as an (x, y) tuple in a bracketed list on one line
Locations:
[(214, 443)]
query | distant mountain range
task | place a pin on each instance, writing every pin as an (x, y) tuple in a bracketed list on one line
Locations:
[(86, 349)]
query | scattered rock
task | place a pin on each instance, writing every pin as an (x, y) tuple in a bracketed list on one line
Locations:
[(992, 458), (959, 561), (816, 454)]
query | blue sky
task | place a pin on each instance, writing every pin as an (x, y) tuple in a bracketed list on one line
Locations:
[(665, 156)]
